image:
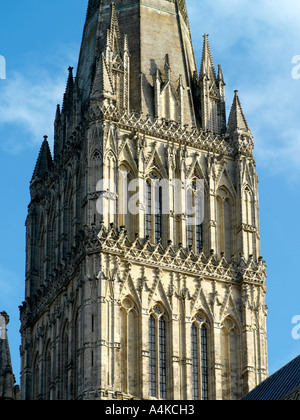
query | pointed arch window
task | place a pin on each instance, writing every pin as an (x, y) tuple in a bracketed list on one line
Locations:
[(194, 217), (154, 208), (249, 218), (42, 250), (148, 216), (36, 378), (158, 368), (125, 194), (249, 207), (204, 363), (158, 213), (224, 220), (65, 360), (231, 362), (200, 377), (52, 234), (130, 352), (97, 169), (152, 354), (48, 372), (162, 359), (195, 363), (110, 186)]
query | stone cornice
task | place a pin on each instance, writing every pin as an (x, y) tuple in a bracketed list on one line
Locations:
[(237, 270)]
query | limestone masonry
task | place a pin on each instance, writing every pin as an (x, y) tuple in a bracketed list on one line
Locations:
[(145, 304)]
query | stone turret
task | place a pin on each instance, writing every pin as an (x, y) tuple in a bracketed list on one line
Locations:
[(212, 93), (8, 390)]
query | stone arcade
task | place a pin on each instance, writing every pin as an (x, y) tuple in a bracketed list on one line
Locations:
[(143, 306)]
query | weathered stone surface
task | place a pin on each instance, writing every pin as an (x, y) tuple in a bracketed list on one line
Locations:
[(8, 389), (113, 298)]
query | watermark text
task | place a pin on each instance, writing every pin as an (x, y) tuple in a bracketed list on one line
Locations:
[(153, 196), (2, 67), (296, 329)]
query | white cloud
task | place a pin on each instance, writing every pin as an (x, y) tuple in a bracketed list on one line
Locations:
[(29, 103), (28, 99)]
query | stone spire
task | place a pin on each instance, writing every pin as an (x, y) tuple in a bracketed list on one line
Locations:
[(44, 162), (68, 96), (207, 64), (8, 390), (237, 121), (164, 31), (212, 93)]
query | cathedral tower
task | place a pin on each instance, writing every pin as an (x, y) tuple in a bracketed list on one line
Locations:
[(143, 270)]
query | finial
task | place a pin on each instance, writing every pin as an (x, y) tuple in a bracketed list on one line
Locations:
[(5, 316)]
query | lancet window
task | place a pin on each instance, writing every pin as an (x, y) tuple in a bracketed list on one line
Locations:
[(153, 204), (158, 369), (199, 341), (194, 218)]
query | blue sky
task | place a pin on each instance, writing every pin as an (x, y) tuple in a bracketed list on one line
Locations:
[(255, 43)]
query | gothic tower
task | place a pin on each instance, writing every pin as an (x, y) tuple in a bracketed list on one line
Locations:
[(144, 277)]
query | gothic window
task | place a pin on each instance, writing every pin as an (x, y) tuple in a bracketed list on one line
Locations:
[(118, 77), (148, 216), (152, 359), (111, 187), (195, 363), (158, 369), (249, 219), (36, 378), (48, 372), (42, 249), (77, 355), (96, 170), (189, 229), (65, 361), (199, 341), (227, 229), (158, 213), (199, 237), (249, 207), (194, 218), (162, 359), (224, 220), (130, 353), (153, 201), (67, 225), (125, 211), (204, 363), (52, 237), (230, 352)]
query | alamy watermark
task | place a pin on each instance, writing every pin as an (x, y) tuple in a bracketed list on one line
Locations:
[(296, 329), (2, 67), (296, 68), (153, 196)]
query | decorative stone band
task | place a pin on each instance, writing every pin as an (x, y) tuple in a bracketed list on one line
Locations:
[(174, 131), (176, 259)]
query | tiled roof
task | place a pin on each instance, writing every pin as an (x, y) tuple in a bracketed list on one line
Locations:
[(279, 385)]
